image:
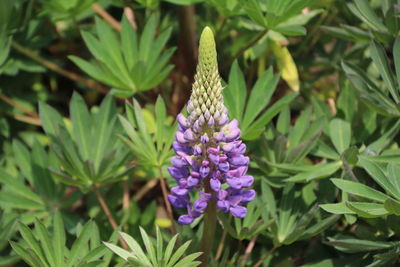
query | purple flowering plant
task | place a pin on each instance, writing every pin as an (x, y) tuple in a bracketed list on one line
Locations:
[(210, 156)]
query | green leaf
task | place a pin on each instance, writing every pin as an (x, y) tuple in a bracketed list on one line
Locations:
[(376, 172), (356, 245), (80, 243), (119, 251), (45, 242), (365, 13), (319, 171), (58, 239), (256, 128), (367, 210), (340, 133), (235, 93), (392, 206), (178, 254), (337, 208), (396, 58), (33, 244), (260, 96), (81, 121), (27, 255), (360, 190), (380, 60)]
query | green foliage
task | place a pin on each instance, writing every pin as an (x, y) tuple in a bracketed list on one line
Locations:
[(150, 138), (87, 149), (314, 86), (42, 247), (131, 62), (156, 255), (65, 9)]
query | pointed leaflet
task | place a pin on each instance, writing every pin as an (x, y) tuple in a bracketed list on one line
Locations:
[(148, 33), (135, 247), (79, 245), (379, 58), (376, 172), (340, 134), (81, 121), (235, 93), (259, 97), (104, 121), (360, 190), (33, 244), (149, 246), (46, 244), (58, 239), (129, 43)]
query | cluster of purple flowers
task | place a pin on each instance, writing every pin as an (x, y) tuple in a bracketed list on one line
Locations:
[(212, 163)]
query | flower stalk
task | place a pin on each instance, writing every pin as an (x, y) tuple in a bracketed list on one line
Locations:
[(210, 162)]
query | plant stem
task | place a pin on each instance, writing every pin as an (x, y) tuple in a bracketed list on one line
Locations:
[(249, 44), (146, 188), (210, 221), (125, 197), (18, 106), (221, 245), (106, 16), (249, 249), (50, 65), (264, 257), (166, 202), (108, 214)]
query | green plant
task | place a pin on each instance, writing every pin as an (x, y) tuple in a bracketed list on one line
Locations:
[(130, 63), (155, 255)]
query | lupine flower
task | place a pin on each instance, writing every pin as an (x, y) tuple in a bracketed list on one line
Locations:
[(210, 157)]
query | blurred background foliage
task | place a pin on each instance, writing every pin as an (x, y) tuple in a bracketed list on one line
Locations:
[(88, 95)]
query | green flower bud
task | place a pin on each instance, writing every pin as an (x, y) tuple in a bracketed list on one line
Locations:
[(206, 104)]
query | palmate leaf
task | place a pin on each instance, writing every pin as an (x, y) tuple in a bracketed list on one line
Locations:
[(154, 255), (151, 148), (44, 247), (129, 62), (89, 151), (248, 109)]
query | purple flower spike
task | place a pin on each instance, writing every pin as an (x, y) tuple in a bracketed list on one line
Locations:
[(210, 159)]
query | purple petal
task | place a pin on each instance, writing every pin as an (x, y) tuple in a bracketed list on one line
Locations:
[(223, 205), (228, 147), (248, 195), (234, 200), (204, 139), (205, 196), (214, 158), (239, 160), (247, 180), (183, 122), (180, 138), (204, 171), (215, 184), (213, 150), (232, 134), (185, 219), (235, 183), (178, 203), (178, 173), (178, 162), (180, 147), (192, 181), (188, 135), (222, 194), (179, 191), (200, 205), (224, 166), (238, 211)]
